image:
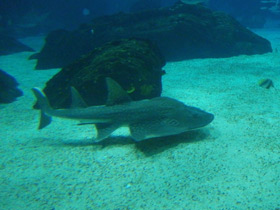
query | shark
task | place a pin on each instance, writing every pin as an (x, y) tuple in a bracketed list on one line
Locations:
[(148, 118)]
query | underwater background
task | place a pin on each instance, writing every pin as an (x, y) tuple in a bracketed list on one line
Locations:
[(232, 163)]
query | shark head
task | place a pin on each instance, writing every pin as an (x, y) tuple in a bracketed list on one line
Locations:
[(194, 118), (169, 117)]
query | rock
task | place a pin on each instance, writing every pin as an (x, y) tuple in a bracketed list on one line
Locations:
[(9, 45), (8, 88), (134, 64), (181, 32)]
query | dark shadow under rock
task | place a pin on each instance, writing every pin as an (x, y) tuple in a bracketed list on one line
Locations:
[(181, 32), (9, 45), (8, 88), (135, 64)]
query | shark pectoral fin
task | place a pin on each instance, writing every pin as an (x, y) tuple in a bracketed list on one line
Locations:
[(44, 120), (104, 130), (142, 131)]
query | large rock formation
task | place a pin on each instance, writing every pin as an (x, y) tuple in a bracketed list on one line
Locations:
[(134, 64), (181, 32), (8, 88), (9, 45)]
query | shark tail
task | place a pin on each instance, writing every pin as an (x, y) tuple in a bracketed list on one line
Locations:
[(44, 107)]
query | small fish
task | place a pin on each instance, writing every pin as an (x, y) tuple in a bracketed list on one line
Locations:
[(161, 116), (266, 83)]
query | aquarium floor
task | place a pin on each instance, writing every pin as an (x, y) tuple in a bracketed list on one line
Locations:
[(234, 163)]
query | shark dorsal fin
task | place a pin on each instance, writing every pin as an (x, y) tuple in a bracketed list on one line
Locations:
[(116, 94), (77, 100)]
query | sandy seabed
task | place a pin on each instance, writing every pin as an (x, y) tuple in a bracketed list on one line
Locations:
[(234, 163)]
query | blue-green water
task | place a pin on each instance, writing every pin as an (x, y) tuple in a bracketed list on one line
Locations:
[(231, 164)]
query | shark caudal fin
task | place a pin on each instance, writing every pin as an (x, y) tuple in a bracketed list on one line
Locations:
[(44, 107)]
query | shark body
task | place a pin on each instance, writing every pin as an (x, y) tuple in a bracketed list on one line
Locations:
[(160, 116)]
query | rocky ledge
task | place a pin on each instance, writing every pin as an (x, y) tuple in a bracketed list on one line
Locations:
[(181, 32)]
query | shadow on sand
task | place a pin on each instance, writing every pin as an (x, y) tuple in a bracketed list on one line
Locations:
[(149, 146)]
